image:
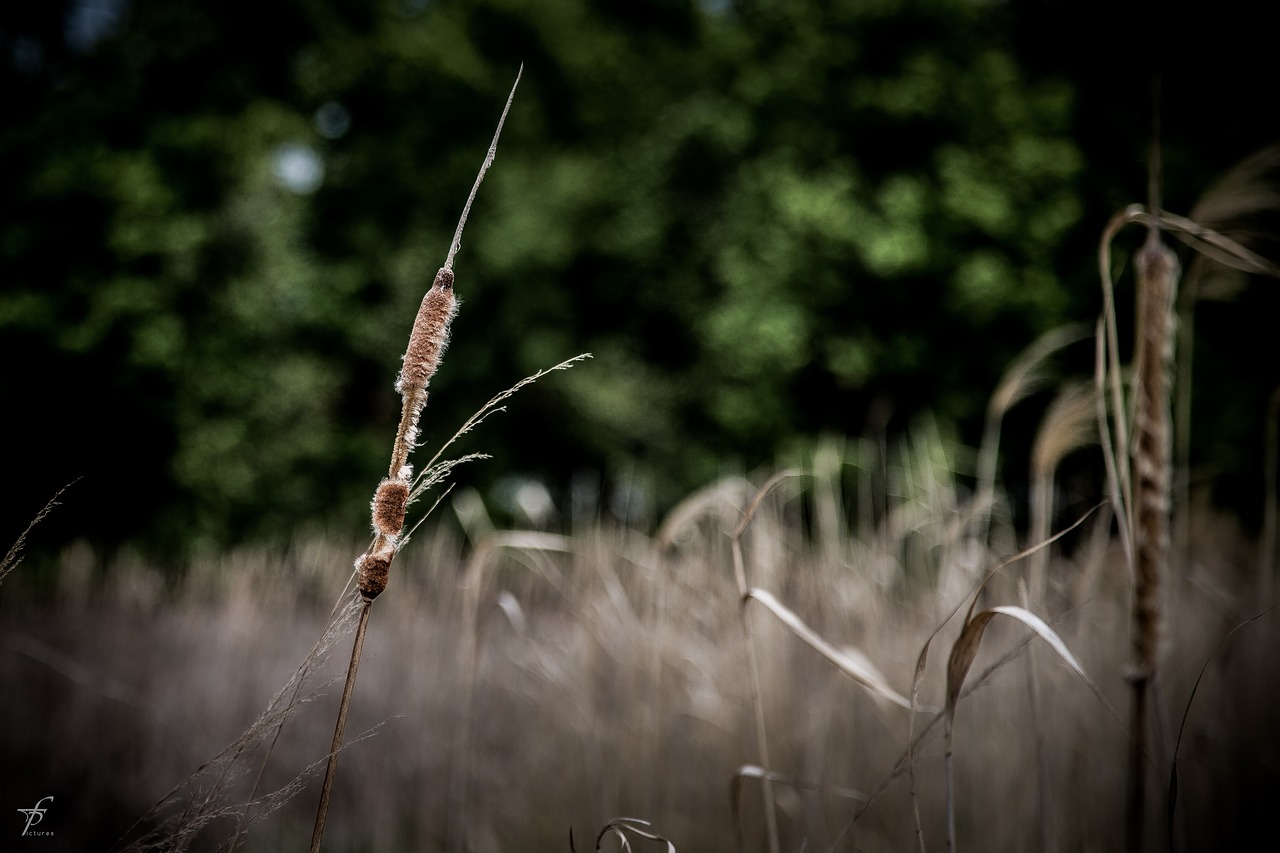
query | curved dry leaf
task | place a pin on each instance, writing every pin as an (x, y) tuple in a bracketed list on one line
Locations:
[(1186, 711), (966, 646), (922, 660), (777, 478), (620, 825), (717, 498), (1026, 374), (857, 666)]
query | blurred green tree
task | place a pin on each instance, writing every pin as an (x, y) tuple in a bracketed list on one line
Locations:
[(216, 223)]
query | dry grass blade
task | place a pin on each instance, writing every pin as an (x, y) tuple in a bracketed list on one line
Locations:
[(216, 776), (484, 170), (718, 499), (963, 653), (1202, 238), (473, 584), (14, 555), (1026, 374), (1186, 712), (1242, 191), (966, 647), (1116, 494), (852, 663), (905, 763), (1109, 377), (1271, 505), (1068, 425), (752, 771), (619, 827), (757, 703), (494, 406), (761, 494), (1023, 377), (922, 659)]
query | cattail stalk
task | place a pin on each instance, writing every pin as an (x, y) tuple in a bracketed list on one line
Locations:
[(390, 503), (427, 342), (1157, 273)]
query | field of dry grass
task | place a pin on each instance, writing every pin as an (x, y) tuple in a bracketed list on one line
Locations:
[(610, 678)]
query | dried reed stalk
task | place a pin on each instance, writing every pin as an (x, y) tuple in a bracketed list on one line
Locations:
[(427, 342), (1157, 273), (1024, 376), (1143, 509), (1271, 506), (908, 761), (472, 586), (1068, 425), (757, 702)]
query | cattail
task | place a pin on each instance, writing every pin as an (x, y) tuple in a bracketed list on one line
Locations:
[(427, 342), (374, 565), (429, 336), (390, 502)]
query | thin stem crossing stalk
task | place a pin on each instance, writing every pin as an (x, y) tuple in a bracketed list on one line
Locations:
[(757, 700), (322, 812)]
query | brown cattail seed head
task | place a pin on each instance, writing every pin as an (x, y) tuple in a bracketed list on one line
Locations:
[(429, 336), (389, 505), (374, 566)]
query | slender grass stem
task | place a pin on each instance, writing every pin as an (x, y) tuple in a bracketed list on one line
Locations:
[(331, 769)]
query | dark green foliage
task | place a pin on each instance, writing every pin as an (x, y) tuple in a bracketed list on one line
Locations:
[(762, 218)]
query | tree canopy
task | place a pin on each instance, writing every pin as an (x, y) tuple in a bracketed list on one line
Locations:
[(766, 220)]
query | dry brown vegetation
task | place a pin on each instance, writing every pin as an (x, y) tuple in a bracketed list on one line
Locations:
[(610, 679)]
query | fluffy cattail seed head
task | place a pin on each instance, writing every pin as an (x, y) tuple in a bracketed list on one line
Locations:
[(389, 504), (430, 335), (374, 566)]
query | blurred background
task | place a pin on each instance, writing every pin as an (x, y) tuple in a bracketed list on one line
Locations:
[(768, 221)]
